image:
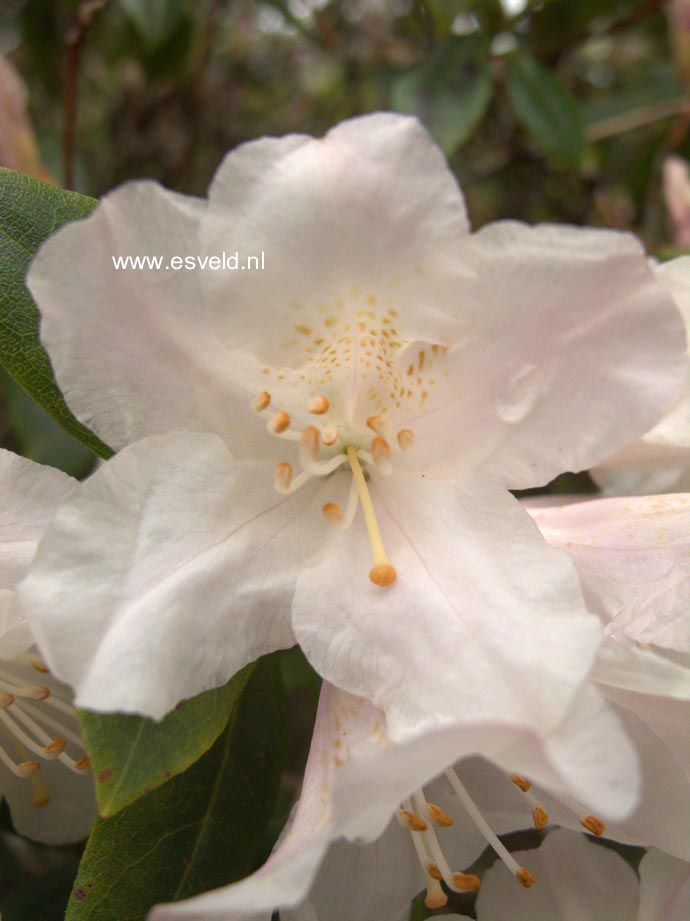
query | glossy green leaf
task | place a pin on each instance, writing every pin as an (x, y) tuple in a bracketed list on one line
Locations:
[(132, 755), (545, 108), (450, 91), (30, 211), (201, 830)]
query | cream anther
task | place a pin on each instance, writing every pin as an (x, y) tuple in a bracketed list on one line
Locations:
[(438, 816), (466, 882), (261, 402), (435, 896), (329, 435), (282, 477), (6, 700), (38, 664), (405, 439), (593, 825), (34, 692), (333, 513), (411, 821), (279, 423), (55, 748), (377, 424), (318, 406), (27, 768)]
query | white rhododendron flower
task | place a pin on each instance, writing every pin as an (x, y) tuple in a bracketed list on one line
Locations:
[(660, 461), (384, 358), (446, 809), (42, 763), (586, 881)]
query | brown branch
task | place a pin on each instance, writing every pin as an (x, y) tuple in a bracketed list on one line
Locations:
[(74, 42)]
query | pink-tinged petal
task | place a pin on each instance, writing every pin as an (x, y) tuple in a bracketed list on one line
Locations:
[(368, 217), (576, 349), (484, 622), (575, 879), (131, 349), (660, 461), (633, 559), (167, 571), (664, 888)]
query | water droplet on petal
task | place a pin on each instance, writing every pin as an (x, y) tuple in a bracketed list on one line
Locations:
[(516, 395)]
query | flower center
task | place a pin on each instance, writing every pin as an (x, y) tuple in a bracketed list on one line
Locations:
[(325, 447), (420, 816), (36, 721)]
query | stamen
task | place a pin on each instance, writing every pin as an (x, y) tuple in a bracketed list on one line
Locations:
[(282, 477), (261, 402), (382, 573), (333, 513), (329, 435), (83, 764), (438, 816), (466, 882), (309, 447), (524, 877), (24, 769), (278, 423), (405, 439), (522, 782), (42, 799), (6, 700), (410, 820), (433, 870), (593, 825), (318, 406), (540, 816), (56, 747), (381, 452), (28, 691), (432, 843), (377, 424)]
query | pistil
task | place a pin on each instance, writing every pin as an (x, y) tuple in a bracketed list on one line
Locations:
[(382, 572)]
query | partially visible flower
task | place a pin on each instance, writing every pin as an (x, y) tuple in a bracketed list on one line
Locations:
[(356, 779), (660, 461), (591, 883), (393, 360), (42, 763), (18, 148), (676, 174)]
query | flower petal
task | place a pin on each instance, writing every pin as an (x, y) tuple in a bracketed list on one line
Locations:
[(131, 349), (577, 350), (633, 559), (170, 568), (575, 879), (368, 214), (484, 622), (664, 888), (29, 495)]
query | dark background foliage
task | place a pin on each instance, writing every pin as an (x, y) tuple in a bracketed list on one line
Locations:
[(548, 110)]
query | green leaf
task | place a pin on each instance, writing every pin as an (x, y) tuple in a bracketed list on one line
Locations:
[(201, 830), (30, 211), (450, 91), (545, 108), (38, 436), (131, 755)]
